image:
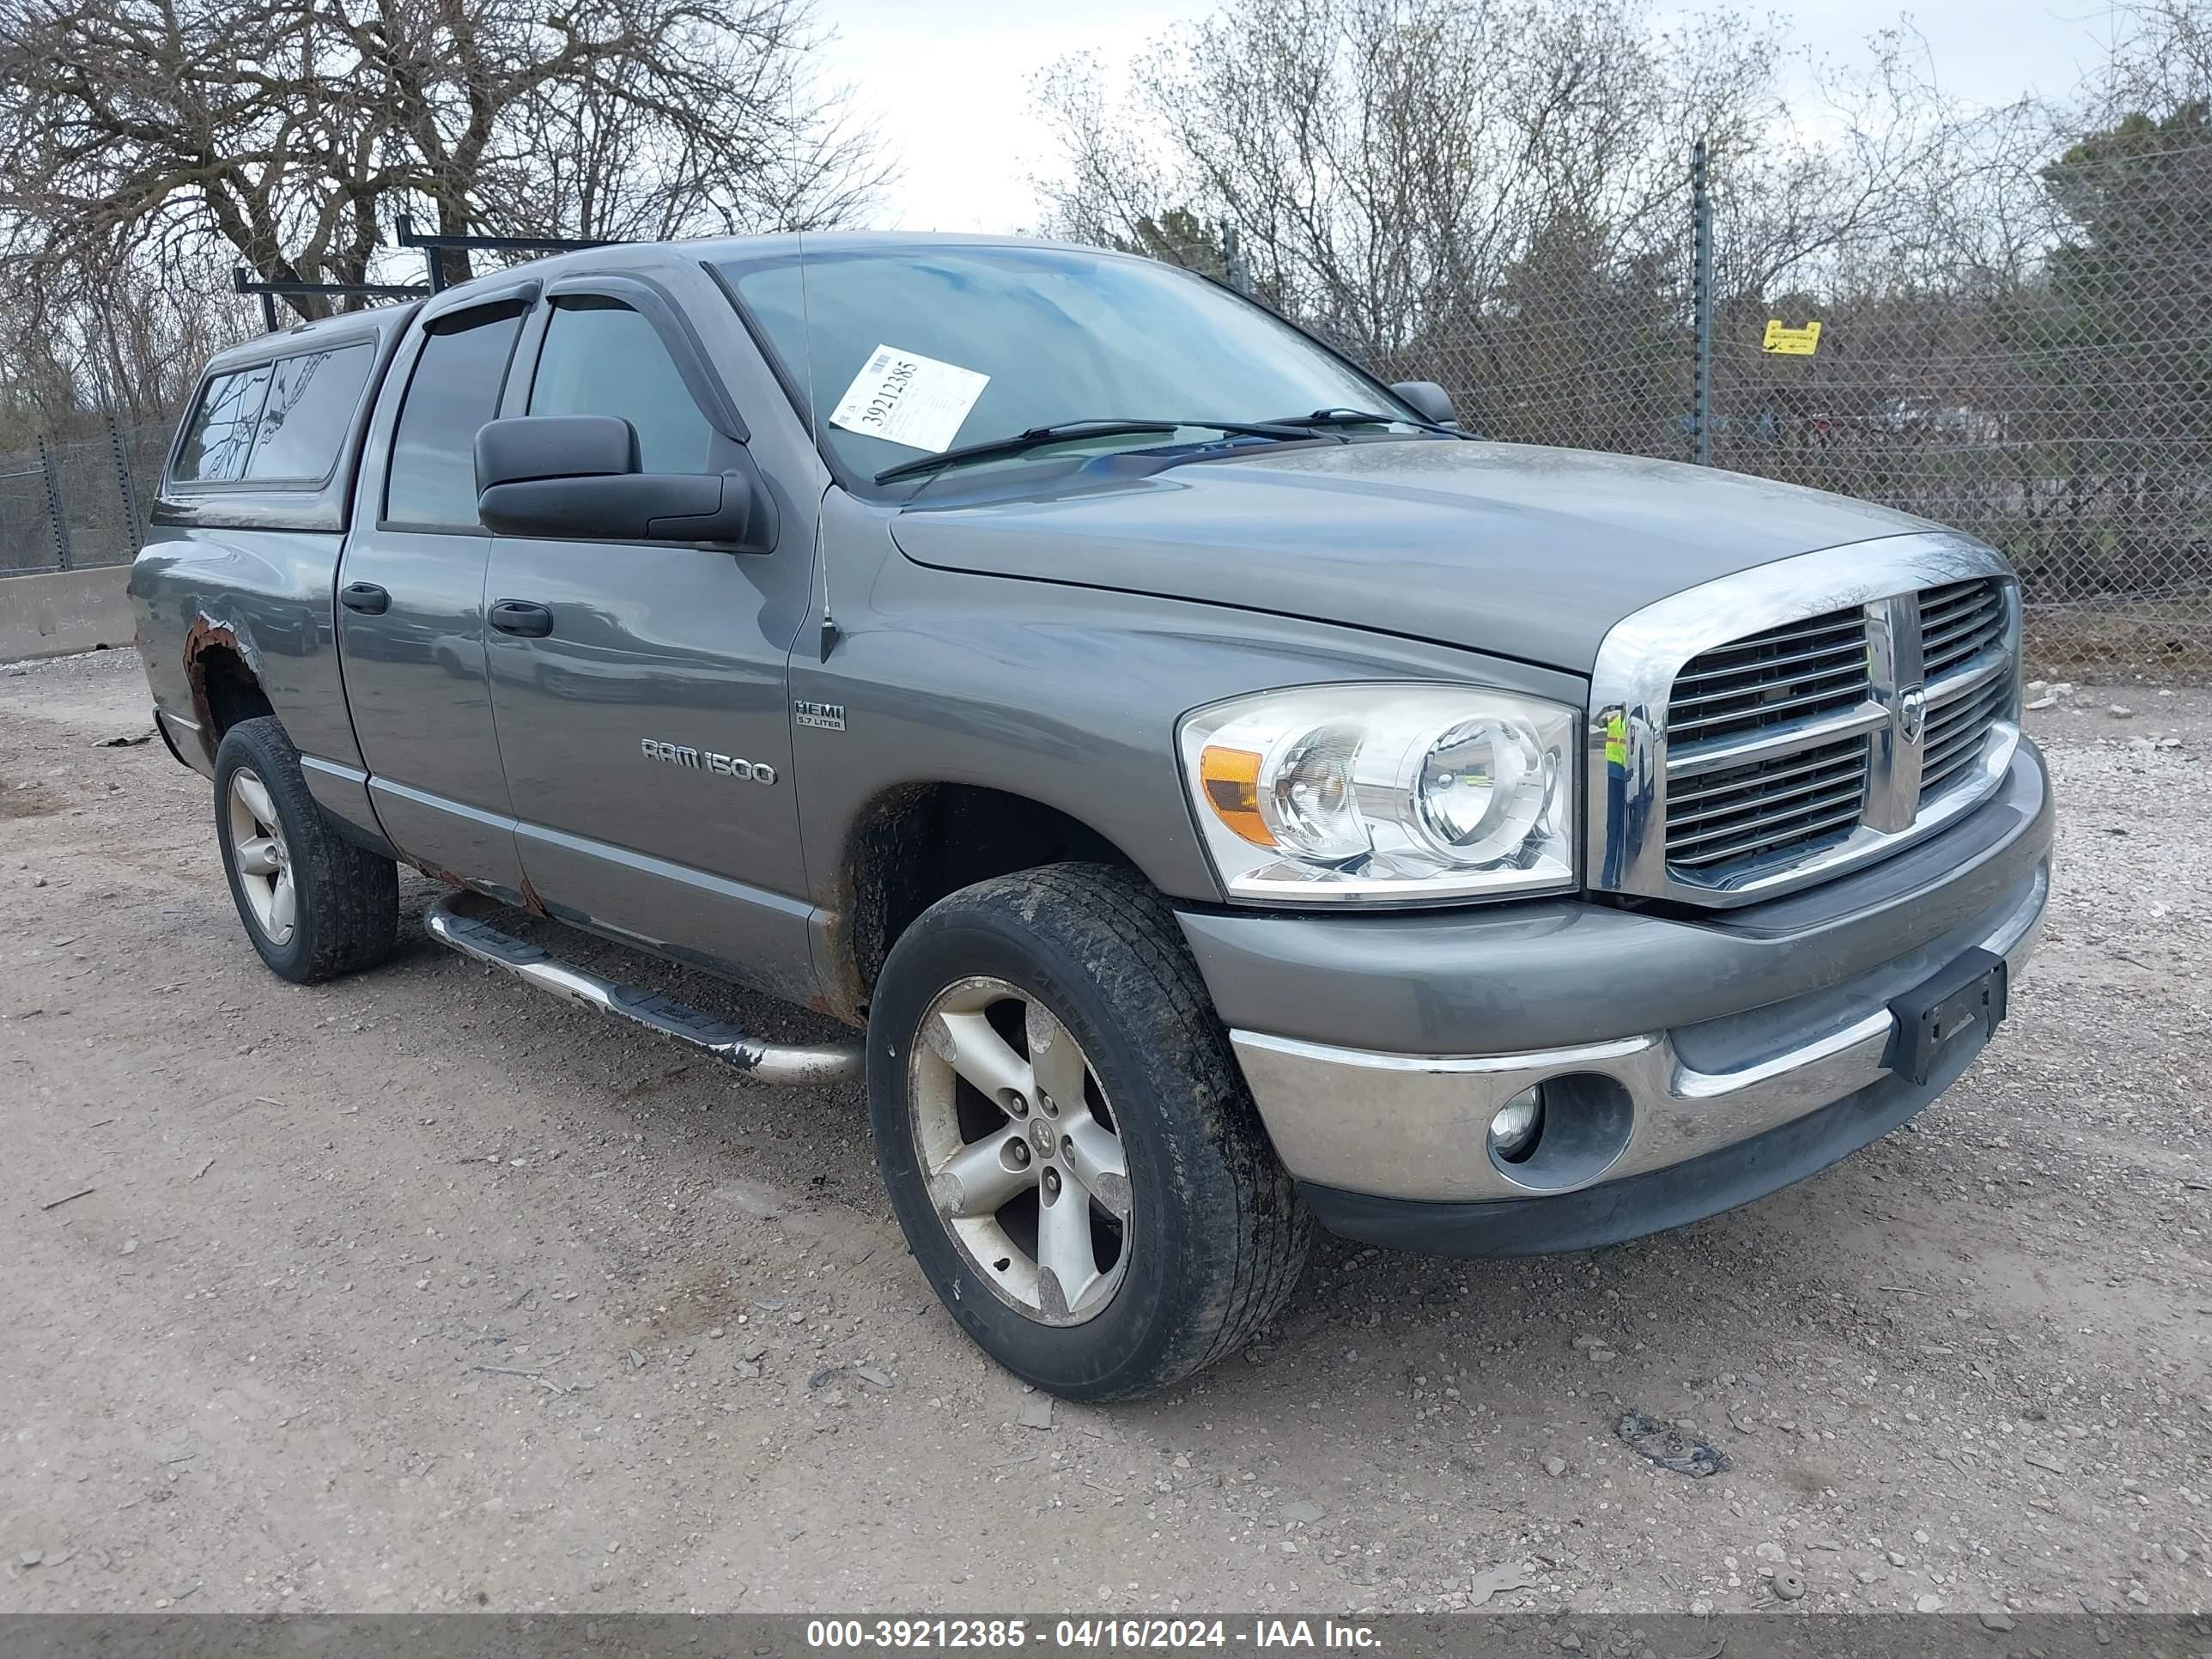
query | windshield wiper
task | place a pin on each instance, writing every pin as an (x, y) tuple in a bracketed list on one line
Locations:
[(1060, 431), (1331, 417)]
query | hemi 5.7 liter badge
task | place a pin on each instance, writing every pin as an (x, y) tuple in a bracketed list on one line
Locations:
[(828, 716)]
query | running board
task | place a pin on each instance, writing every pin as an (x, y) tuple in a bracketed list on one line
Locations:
[(456, 920)]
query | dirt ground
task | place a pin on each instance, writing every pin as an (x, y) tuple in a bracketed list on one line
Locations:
[(422, 1291)]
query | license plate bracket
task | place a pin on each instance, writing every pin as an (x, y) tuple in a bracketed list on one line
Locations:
[(1967, 994)]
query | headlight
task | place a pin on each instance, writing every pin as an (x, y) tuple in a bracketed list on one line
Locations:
[(1384, 794)]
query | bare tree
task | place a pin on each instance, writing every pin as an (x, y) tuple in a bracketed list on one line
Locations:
[(1493, 192), (2159, 61), (129, 343), (595, 155), (287, 131), (1386, 161)]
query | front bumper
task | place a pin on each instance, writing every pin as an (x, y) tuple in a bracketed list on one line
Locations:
[(1636, 1204), (1708, 1060)]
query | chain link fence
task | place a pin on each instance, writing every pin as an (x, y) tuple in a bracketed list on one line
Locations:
[(2057, 406), (69, 503), (2067, 420)]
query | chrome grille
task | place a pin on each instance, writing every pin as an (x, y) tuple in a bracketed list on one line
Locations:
[(1962, 636), (1776, 726), (1958, 623), (1747, 813), (1776, 804), (1956, 733), (1784, 675)]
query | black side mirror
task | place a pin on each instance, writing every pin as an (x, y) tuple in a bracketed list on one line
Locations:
[(1429, 400), (575, 477)]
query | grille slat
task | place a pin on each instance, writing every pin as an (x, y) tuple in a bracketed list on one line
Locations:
[(1941, 656), (1941, 771), (1760, 691), (1835, 625), (1806, 793), (1933, 782), (1766, 808), (1968, 709), (1972, 727), (1979, 624), (1794, 672), (1693, 790), (1843, 651), (1959, 624), (1951, 595), (1802, 834), (1763, 823), (1956, 733), (1824, 697), (1796, 782)]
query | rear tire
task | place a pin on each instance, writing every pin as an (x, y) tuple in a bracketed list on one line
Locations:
[(1195, 1234), (314, 904)]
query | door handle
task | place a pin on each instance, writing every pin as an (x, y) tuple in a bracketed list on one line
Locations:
[(520, 617), (365, 597)]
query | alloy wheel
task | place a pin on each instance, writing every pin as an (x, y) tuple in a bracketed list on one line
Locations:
[(1020, 1150), (264, 862)]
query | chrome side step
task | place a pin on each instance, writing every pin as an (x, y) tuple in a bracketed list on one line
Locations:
[(457, 920)]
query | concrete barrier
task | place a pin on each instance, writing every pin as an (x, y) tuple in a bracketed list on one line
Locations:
[(66, 612)]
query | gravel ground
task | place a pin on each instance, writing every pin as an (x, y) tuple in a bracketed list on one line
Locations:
[(421, 1291)]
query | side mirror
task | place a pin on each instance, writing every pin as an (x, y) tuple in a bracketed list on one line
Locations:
[(1430, 401), (574, 478)]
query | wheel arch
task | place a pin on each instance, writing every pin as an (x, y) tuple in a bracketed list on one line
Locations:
[(914, 843), (224, 683)]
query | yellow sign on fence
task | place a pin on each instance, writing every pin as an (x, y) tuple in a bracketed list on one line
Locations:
[(1792, 342)]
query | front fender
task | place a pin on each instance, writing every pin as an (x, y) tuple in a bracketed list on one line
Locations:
[(1066, 695)]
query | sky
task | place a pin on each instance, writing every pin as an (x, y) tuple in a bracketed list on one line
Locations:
[(946, 82)]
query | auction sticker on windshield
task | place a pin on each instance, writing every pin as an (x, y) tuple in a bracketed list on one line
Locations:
[(908, 398)]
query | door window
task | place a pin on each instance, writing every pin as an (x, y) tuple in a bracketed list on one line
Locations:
[(454, 391), (600, 358)]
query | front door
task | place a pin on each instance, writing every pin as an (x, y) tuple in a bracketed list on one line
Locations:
[(411, 606), (640, 689)]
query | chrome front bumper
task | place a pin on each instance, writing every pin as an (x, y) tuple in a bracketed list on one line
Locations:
[(1416, 1128)]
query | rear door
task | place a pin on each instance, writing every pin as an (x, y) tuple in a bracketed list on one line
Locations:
[(411, 601), (643, 714)]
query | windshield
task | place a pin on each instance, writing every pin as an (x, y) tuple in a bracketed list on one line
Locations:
[(913, 350)]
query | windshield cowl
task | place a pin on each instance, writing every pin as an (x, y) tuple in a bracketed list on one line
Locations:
[(1044, 476)]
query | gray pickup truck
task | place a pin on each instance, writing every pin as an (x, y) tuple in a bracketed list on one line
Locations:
[(1221, 794)]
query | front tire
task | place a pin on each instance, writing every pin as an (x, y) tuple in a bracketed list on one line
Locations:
[(314, 904), (1067, 1142)]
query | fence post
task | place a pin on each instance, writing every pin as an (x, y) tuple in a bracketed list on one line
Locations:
[(117, 447), (1232, 258), (50, 474), (1701, 302)]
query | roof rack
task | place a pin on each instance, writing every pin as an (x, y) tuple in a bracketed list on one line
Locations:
[(245, 281), (433, 243)]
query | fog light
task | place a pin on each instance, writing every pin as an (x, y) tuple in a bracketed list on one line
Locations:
[(1513, 1132)]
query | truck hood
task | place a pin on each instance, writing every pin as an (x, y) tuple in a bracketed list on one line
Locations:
[(1506, 549)]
